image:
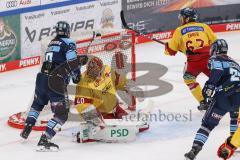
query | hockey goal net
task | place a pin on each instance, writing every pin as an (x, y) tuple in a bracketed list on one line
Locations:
[(116, 50)]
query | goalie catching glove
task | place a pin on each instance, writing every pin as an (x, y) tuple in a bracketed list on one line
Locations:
[(132, 88)]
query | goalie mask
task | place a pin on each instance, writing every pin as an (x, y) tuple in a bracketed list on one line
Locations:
[(94, 67)]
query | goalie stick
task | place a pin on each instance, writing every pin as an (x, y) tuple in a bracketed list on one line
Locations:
[(140, 33)]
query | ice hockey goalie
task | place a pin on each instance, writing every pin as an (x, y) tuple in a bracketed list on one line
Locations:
[(96, 101)]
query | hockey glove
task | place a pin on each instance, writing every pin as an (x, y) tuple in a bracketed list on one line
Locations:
[(169, 51), (226, 150), (208, 92), (66, 80), (76, 76), (76, 79), (83, 59), (132, 88)]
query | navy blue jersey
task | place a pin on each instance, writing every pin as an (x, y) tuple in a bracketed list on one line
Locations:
[(60, 49), (225, 72)]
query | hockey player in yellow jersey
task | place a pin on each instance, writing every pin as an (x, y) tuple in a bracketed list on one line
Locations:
[(98, 87), (96, 100), (194, 40)]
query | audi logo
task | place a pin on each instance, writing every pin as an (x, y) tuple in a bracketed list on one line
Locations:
[(11, 4)]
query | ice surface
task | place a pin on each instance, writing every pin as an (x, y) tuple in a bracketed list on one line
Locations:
[(166, 140)]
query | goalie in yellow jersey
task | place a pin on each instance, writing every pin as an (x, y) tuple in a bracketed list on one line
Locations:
[(193, 39), (96, 93)]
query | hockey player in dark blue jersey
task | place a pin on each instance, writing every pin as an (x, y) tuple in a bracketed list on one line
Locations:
[(222, 94), (61, 63)]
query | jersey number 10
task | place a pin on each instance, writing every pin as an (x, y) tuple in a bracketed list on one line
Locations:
[(48, 56)]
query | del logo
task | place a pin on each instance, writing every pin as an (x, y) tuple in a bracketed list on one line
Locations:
[(8, 40), (107, 18), (119, 133)]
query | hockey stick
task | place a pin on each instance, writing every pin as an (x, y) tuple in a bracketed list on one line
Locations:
[(91, 41), (140, 33), (82, 58)]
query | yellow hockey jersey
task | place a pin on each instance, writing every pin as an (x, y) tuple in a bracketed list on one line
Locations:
[(193, 36), (101, 92)]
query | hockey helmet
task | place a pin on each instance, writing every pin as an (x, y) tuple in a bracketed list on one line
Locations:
[(94, 67), (63, 29), (219, 47), (189, 14)]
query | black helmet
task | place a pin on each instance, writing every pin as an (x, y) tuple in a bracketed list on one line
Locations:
[(63, 29), (189, 13), (219, 47)]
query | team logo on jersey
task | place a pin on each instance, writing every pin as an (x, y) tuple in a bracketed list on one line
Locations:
[(191, 29), (8, 40), (107, 18), (216, 116), (106, 88)]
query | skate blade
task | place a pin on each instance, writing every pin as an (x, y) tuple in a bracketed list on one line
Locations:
[(43, 149), (236, 153), (186, 158), (23, 141)]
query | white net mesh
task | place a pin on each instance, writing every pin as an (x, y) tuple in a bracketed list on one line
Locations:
[(115, 50)]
